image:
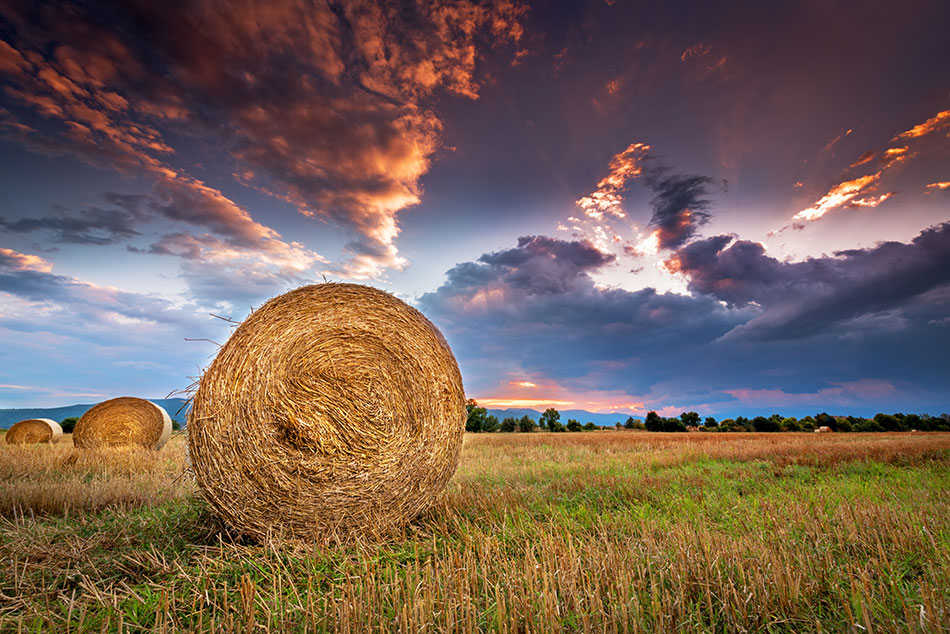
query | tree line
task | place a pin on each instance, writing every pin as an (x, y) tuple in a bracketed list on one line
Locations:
[(881, 422), (479, 420)]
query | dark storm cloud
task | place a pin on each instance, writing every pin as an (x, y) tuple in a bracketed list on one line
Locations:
[(323, 105), (92, 225), (505, 318), (542, 265), (680, 206), (540, 300), (804, 298)]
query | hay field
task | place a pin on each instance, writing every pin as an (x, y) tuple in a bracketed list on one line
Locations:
[(598, 531)]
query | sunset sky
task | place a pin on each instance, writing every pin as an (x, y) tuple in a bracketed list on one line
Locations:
[(613, 206)]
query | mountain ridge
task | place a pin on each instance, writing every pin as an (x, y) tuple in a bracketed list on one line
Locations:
[(10, 416)]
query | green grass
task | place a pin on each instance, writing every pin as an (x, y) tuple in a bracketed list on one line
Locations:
[(573, 532)]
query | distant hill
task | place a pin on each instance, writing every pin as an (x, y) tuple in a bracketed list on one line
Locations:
[(9, 417), (583, 416)]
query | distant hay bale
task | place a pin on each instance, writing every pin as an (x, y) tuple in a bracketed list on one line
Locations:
[(121, 422), (34, 430), (334, 411)]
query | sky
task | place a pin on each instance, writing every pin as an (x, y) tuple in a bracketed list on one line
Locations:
[(735, 208)]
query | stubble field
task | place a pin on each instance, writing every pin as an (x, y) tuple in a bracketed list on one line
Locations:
[(585, 532)]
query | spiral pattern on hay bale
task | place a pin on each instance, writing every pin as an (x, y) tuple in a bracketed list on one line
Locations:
[(122, 422), (335, 411), (34, 430)]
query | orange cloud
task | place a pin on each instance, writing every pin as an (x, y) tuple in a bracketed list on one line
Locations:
[(833, 142), (503, 403), (894, 155), (940, 185), (839, 195), (871, 201), (846, 194), (548, 393), (867, 157), (608, 197), (23, 261), (936, 122), (697, 50)]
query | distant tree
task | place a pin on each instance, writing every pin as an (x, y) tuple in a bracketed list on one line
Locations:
[(476, 416), (550, 416), (69, 424), (490, 424), (590, 426), (176, 426), (710, 422), (825, 419), (727, 425), (690, 419), (888, 422), (673, 424), (655, 422), (791, 424), (618, 425), (509, 424), (866, 425), (630, 423), (526, 424), (926, 423), (913, 421), (761, 423), (574, 425)]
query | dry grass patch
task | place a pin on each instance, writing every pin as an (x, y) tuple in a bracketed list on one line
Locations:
[(61, 479)]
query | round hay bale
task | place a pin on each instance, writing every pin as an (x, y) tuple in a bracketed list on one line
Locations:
[(121, 422), (333, 412), (34, 430)]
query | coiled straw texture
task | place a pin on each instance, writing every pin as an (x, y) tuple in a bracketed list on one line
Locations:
[(121, 422), (34, 430), (334, 412)]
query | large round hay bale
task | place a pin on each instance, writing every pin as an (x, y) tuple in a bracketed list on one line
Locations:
[(334, 411), (121, 422), (34, 430)]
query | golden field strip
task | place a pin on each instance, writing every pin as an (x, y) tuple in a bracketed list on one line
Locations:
[(583, 532)]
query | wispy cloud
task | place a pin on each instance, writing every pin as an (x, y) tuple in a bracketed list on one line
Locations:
[(850, 393), (939, 121), (855, 192), (608, 197)]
